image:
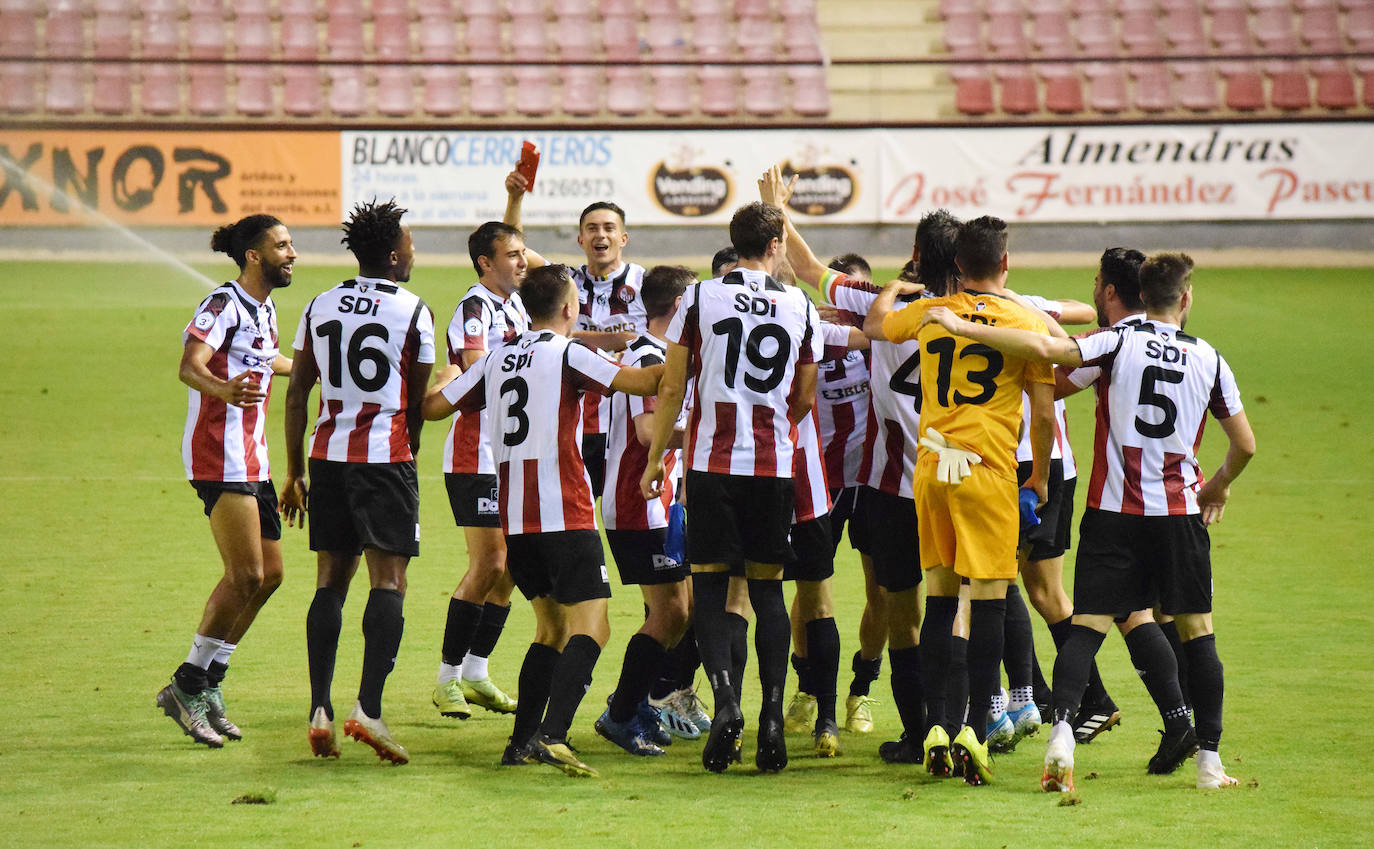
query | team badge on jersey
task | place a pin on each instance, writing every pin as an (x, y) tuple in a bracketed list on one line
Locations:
[(626, 294)]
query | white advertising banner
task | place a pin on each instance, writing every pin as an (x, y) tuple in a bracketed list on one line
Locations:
[(1050, 174), (686, 177)]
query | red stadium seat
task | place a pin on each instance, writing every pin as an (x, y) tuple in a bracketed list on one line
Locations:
[(534, 91), (619, 9), (482, 37), (810, 92), (1019, 93), (625, 91), (756, 38), (390, 34), (672, 90), (1366, 75), (1244, 86), (1096, 35), (581, 94), (66, 92), (1288, 86), (18, 87), (661, 9), (344, 34), (973, 95), (395, 90), (1183, 24), (441, 90), (1154, 90), (300, 9), (1106, 87), (516, 9), (1063, 89), (753, 9), (665, 40), (1359, 27), (486, 91), (209, 86), (1273, 23), (963, 30), (718, 88), (1140, 33), (1006, 35), (710, 36), (1319, 23), (763, 90), (438, 38), (434, 9), (1197, 86), (253, 90), (1230, 25), (113, 83), (347, 91), (1050, 34), (64, 30), (159, 88), (620, 38), (1335, 88), (529, 37), (577, 40)]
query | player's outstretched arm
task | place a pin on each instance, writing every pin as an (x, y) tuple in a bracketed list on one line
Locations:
[(883, 304), (1076, 312), (304, 372), (606, 340), (638, 381), (671, 389), (1212, 497), (436, 404), (776, 191), (1026, 344)]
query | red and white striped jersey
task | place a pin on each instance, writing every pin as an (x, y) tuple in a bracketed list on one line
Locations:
[(483, 321), (622, 505), (894, 397), (222, 442), (842, 406), (365, 334), (1060, 448), (745, 334), (1156, 386), (1085, 376), (810, 486), (533, 387), (610, 304)]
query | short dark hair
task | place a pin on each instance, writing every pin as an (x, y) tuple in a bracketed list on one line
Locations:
[(372, 232), (753, 226), (544, 290), (482, 242), (980, 246), (662, 286), (852, 264), (936, 269), (1120, 268), (601, 204), (1164, 278), (239, 238), (723, 257)]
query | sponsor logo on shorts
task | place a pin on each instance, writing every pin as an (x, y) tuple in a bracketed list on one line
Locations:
[(486, 506), (664, 563), (605, 579), (417, 531)]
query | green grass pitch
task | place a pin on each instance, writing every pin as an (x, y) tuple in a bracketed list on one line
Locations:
[(108, 561)]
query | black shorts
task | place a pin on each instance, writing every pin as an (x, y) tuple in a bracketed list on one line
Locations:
[(893, 545), (594, 458), (1052, 537), (1128, 563), (269, 520), (639, 557), (736, 519), (567, 566), (473, 499), (846, 510), (364, 505), (811, 541)]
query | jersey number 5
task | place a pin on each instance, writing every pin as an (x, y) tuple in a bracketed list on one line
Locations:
[(1150, 398), (357, 355)]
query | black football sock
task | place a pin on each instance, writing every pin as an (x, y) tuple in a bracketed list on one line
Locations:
[(1038, 683), (986, 634), (536, 676), (383, 625), (1094, 692), (572, 675), (1204, 672), (459, 629), (935, 648), (714, 633), (956, 686), (772, 639), (823, 647), (739, 652), (802, 666), (1154, 662), (643, 659), (191, 678), (215, 672), (908, 692), (688, 659), (1170, 630), (323, 623), (1071, 670), (1018, 641), (865, 673), (489, 629)]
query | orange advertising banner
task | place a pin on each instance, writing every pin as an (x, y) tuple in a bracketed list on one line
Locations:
[(62, 177)]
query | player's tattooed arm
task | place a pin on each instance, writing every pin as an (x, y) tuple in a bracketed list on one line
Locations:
[(1026, 344)]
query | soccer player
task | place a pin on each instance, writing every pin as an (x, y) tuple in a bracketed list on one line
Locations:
[(370, 343), (752, 345), (489, 315), (1145, 529), (964, 484), (637, 531), (228, 358), (534, 387)]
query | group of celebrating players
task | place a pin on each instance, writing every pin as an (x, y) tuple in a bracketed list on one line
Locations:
[(731, 429)]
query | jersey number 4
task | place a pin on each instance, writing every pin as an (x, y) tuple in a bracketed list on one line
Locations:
[(357, 354)]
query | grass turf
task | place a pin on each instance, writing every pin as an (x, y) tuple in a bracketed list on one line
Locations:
[(109, 561)]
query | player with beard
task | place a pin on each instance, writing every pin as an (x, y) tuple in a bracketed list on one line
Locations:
[(229, 356)]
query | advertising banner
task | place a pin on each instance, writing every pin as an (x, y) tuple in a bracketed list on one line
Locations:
[(1131, 173), (682, 177), (155, 178)]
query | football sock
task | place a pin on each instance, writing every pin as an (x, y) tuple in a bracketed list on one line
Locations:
[(190, 678), (215, 673), (383, 625), (536, 676), (226, 650), (1205, 684), (1039, 685), (688, 659), (1094, 693), (572, 675), (935, 648), (643, 658), (1154, 662), (669, 673), (1071, 670), (823, 645), (1018, 643), (865, 673), (986, 634), (908, 694), (802, 666), (738, 633), (1019, 697), (1170, 630), (772, 638), (956, 686), (323, 623), (459, 628), (484, 641), (714, 637)]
